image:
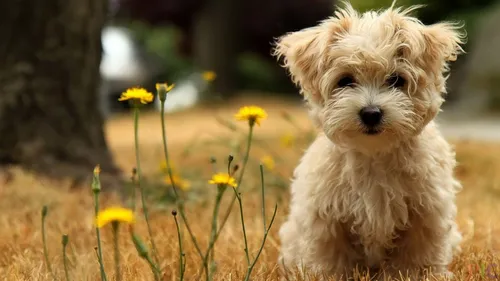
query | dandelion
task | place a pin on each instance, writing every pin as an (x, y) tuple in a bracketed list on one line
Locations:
[(64, 242), (179, 203), (208, 76), (114, 214), (179, 182), (162, 89), (268, 162), (96, 189), (164, 167), (164, 86), (138, 95), (223, 178), (253, 114), (45, 211), (287, 140)]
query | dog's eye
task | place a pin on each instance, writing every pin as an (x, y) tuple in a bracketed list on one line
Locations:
[(395, 81), (346, 81)]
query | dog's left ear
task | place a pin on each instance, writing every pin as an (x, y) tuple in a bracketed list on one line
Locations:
[(443, 41), (442, 44)]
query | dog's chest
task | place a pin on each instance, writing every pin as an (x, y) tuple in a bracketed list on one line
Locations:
[(375, 208), (371, 199), (375, 218)]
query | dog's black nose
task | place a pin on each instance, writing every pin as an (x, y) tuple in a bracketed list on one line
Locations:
[(371, 115)]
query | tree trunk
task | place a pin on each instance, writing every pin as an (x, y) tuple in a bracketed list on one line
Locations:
[(215, 39), (50, 121)]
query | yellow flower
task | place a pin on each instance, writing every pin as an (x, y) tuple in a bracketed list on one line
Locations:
[(209, 76), (223, 178), (114, 214), (287, 140), (164, 86), (253, 114), (268, 162), (137, 94), (164, 167), (179, 182)]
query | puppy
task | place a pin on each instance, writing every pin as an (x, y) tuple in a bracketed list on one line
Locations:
[(375, 190)]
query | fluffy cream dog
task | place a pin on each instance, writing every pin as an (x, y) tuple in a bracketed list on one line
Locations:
[(376, 189)]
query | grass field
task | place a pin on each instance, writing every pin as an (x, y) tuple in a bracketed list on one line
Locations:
[(194, 137)]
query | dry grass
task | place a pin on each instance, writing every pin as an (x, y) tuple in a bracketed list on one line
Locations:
[(71, 211)]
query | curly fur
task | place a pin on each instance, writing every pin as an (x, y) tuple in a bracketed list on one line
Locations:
[(383, 202)]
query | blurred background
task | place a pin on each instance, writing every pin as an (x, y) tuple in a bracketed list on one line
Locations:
[(64, 63), (173, 39)]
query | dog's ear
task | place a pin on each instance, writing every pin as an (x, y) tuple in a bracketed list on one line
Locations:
[(443, 42), (304, 52)]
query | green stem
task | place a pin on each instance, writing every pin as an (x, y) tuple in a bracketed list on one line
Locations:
[(263, 197), (65, 259), (179, 203), (137, 160), (247, 255), (233, 200), (154, 268), (266, 232), (139, 182), (118, 275), (98, 234), (266, 228), (142, 250), (133, 191), (247, 155), (218, 199), (240, 179), (262, 143), (45, 250), (181, 253)]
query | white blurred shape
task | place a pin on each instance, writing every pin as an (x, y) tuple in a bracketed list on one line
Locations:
[(120, 60), (185, 94), (124, 64)]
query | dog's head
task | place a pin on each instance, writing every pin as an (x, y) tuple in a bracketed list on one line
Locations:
[(371, 79)]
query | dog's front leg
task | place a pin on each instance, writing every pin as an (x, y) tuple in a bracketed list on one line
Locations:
[(316, 249), (426, 248)]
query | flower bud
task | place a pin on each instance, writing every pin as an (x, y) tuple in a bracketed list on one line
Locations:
[(65, 240), (235, 168), (162, 89), (96, 183), (45, 210)]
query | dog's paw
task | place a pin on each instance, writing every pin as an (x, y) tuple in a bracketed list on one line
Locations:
[(445, 275), (448, 275)]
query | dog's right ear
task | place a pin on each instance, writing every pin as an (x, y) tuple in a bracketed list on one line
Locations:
[(305, 52)]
